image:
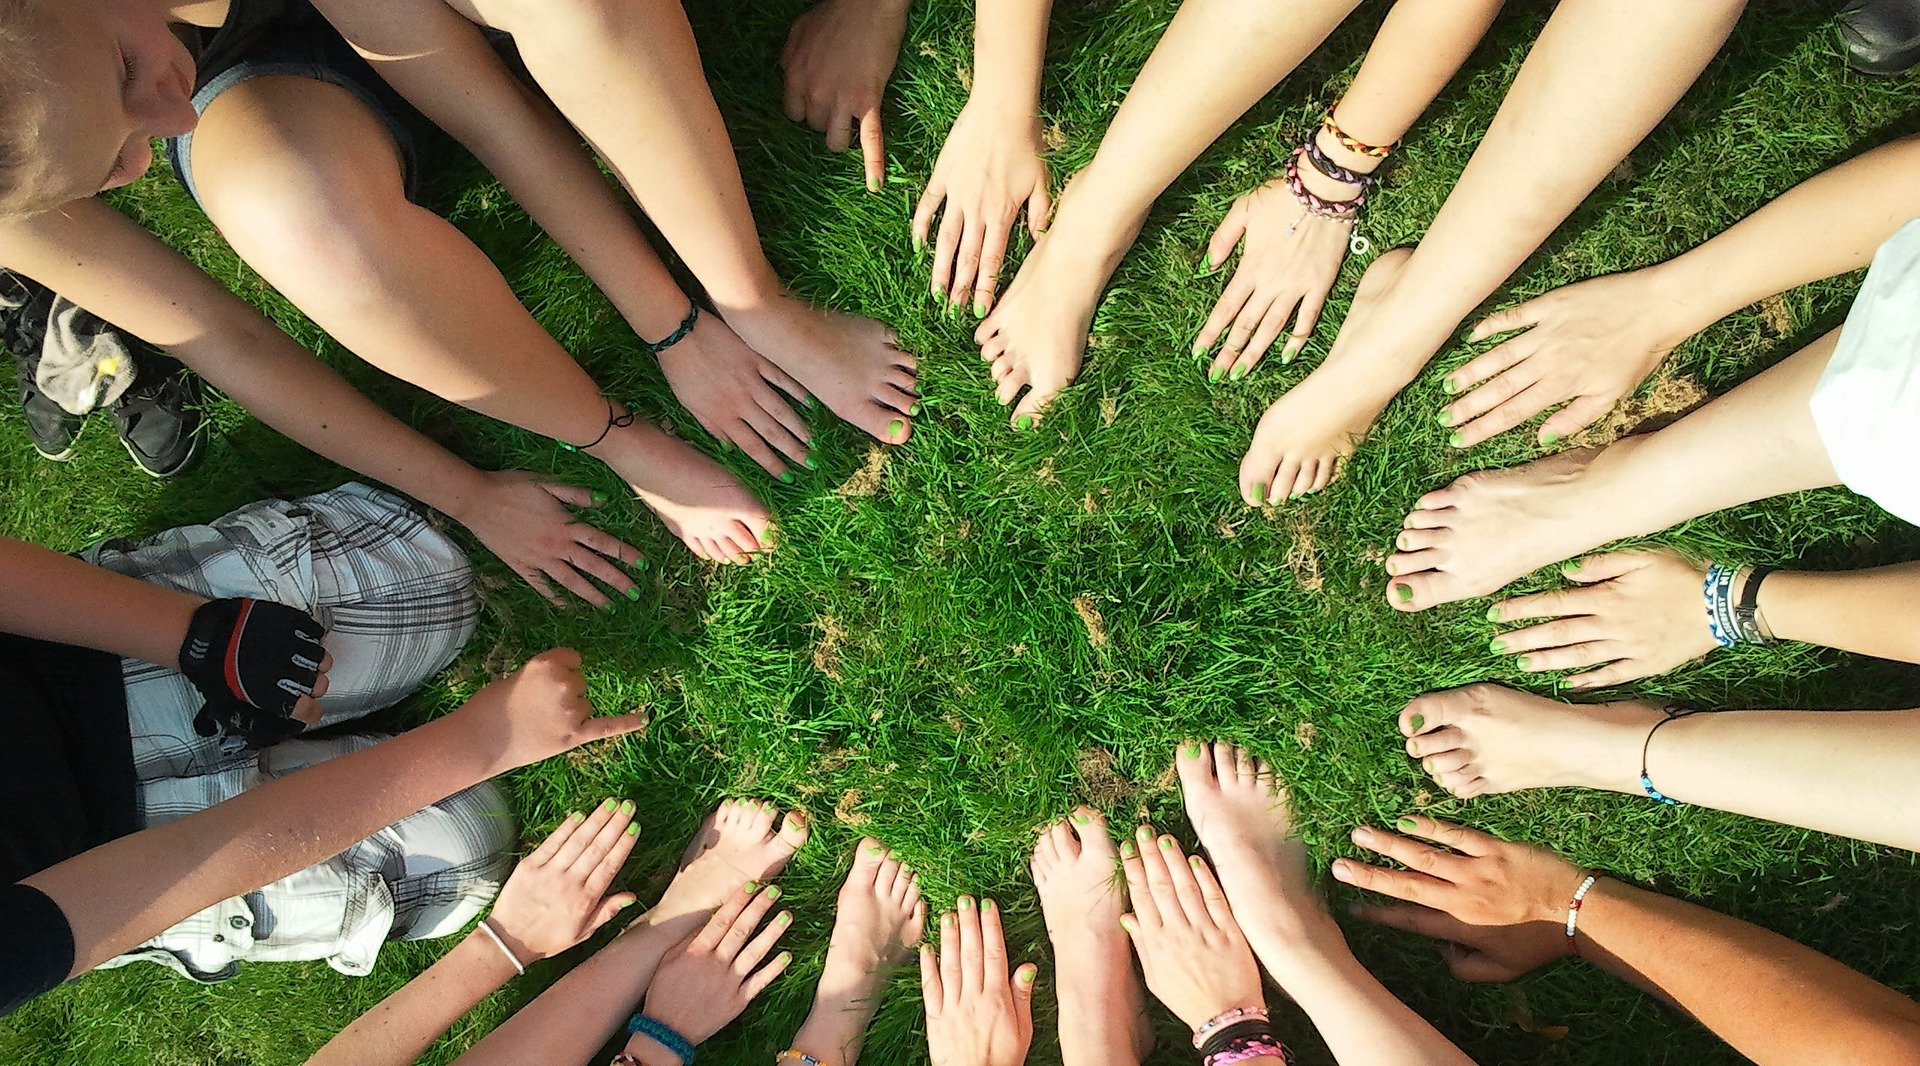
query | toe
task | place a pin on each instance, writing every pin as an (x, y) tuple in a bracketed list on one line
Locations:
[(1416, 592), (869, 856), (1415, 562), (1432, 711), (1453, 761), (1089, 828), (1194, 763), (793, 829), (1413, 540), (1429, 518)]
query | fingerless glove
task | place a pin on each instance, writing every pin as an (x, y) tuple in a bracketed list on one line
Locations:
[(253, 660)]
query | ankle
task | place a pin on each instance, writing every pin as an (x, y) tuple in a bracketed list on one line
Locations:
[(834, 1030)]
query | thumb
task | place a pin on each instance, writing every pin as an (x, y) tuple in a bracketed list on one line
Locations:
[(609, 907), (1039, 209), (1227, 237), (1597, 568), (1476, 967), (1584, 411), (1023, 979)]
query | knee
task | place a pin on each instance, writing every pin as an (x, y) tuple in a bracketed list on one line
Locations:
[(311, 230)]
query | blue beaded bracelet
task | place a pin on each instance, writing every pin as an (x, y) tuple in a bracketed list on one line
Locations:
[(664, 1035)]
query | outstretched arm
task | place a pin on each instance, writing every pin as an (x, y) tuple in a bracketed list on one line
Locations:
[(58, 598), (124, 892), (554, 900), (1506, 904), (1592, 343), (1869, 612)]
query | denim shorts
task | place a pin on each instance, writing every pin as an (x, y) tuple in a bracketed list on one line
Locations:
[(301, 43)]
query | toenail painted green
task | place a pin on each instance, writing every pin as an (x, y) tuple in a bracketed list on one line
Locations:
[(1406, 825), (598, 497), (1215, 373), (1191, 751), (966, 903), (876, 850), (1023, 423), (1573, 564), (1524, 662), (812, 463), (914, 409), (773, 892), (1447, 386), (1126, 849), (1550, 439), (1259, 493), (895, 428), (1078, 819), (1457, 439), (1445, 418), (633, 592), (1418, 722), (1199, 352), (1405, 592), (1493, 614), (987, 906)]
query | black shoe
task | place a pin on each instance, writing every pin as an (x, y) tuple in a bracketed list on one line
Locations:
[(159, 416), (1880, 36), (22, 330)]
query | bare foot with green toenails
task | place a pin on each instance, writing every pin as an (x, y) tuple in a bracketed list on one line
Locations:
[(1487, 739), (1103, 1009), (877, 922)]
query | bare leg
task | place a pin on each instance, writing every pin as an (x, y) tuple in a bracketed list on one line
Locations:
[(1103, 1008), (305, 182), (1240, 812), (627, 74), (1601, 75), (879, 920), (1853, 773), (1487, 529), (1183, 100)]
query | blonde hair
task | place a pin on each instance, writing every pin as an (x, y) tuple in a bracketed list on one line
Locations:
[(24, 105)]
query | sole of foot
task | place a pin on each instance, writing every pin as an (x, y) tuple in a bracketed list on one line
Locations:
[(740, 842), (1307, 435), (1240, 811), (1076, 869), (1487, 739), (1489, 529), (716, 516), (879, 920), (1036, 336), (853, 365)]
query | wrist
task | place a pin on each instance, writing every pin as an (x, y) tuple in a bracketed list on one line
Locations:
[(1358, 162), (1679, 296), (652, 1052), (461, 497), (1005, 102)]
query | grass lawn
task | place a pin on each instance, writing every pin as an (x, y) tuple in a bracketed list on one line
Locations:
[(961, 638)]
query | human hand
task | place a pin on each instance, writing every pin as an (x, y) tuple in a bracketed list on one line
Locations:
[(1291, 259), (976, 1014), (734, 393), (556, 897), (1475, 953), (710, 979), (1637, 614), (260, 666), (1587, 345), (538, 711), (1477, 879), (838, 57), (990, 167), (519, 518), (1194, 957)]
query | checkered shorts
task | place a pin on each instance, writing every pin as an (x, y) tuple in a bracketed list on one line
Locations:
[(397, 601)]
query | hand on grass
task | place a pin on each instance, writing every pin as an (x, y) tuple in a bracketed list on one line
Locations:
[(1194, 957), (1587, 345), (556, 897), (1287, 268), (1476, 879), (990, 167), (1472, 952), (735, 394), (1635, 614), (977, 1014), (521, 519), (536, 712), (837, 60), (709, 980)]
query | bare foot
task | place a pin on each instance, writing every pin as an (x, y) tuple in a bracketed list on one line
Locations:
[(739, 396), (1486, 739), (1037, 334), (879, 921), (1490, 528), (851, 364), (1238, 808), (1103, 1008), (737, 843), (708, 508), (1307, 435)]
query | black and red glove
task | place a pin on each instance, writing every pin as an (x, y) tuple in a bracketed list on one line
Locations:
[(254, 660)]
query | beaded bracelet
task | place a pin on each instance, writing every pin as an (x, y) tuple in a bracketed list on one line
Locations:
[(1351, 143), (1224, 1018), (799, 1056), (1260, 1045), (1573, 909), (1674, 714)]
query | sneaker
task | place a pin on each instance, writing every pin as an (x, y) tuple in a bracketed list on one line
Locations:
[(159, 417), (23, 328), (1880, 36)]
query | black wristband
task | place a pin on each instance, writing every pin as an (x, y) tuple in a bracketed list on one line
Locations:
[(253, 660), (1746, 611)]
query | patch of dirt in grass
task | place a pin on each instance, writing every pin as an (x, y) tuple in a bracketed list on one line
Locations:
[(1090, 616), (846, 811), (1054, 137), (1777, 315), (826, 650), (1303, 554), (1671, 396), (866, 480), (1101, 787), (1305, 734)]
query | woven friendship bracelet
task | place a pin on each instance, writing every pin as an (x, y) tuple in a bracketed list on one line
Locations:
[(794, 1054), (680, 332), (1718, 590), (663, 1034), (1338, 210), (1258, 1046), (1333, 171), (1351, 143)]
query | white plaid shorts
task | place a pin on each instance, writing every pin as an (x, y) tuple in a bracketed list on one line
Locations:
[(396, 597)]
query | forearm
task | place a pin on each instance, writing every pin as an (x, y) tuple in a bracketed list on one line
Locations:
[(573, 1018), (400, 1029), (124, 892), (1009, 49), (1827, 225), (1359, 1019), (1420, 46), (58, 598), (1870, 612), (1773, 1000)]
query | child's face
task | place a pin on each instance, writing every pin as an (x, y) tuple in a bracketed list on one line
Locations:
[(119, 78)]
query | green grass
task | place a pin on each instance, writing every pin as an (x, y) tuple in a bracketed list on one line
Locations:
[(912, 664)]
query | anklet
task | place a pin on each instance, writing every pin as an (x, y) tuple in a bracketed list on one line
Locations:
[(1224, 1018), (1674, 714), (1573, 909), (794, 1054), (1351, 143), (680, 332), (613, 420)]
